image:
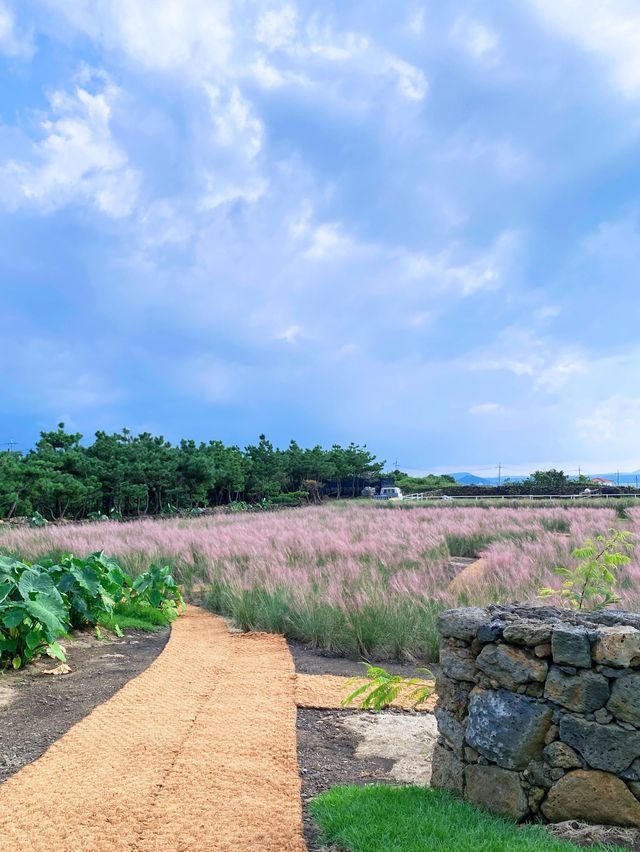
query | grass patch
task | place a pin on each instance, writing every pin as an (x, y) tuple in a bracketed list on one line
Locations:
[(468, 546), (381, 818), (137, 617), (558, 525)]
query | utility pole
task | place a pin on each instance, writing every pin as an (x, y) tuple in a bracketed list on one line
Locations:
[(618, 477), (499, 472), (579, 471), (11, 444)]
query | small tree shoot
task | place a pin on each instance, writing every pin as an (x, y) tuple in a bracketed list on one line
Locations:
[(591, 584), (383, 688)]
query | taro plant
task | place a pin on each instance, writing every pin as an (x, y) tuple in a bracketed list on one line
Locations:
[(591, 584), (33, 613), (92, 585), (382, 689), (158, 588)]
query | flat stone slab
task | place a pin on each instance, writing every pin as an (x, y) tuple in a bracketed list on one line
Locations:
[(507, 729)]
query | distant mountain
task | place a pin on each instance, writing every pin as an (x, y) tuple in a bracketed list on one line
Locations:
[(471, 479)]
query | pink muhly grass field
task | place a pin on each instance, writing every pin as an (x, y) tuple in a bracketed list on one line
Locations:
[(356, 578)]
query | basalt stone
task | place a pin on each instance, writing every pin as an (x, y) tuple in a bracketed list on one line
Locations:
[(609, 671), (507, 729), (603, 716), (634, 786), (538, 774), (452, 695), (462, 623), (457, 662), (511, 667), (633, 772), (552, 734), (595, 797), (448, 770), (625, 699), (527, 632), (451, 730), (561, 756), (490, 632), (617, 646), (583, 692), (605, 747), (543, 650), (535, 797), (496, 790), (570, 646)]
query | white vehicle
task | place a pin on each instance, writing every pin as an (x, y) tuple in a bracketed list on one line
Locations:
[(389, 492)]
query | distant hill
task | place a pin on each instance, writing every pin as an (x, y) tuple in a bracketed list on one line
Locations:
[(471, 479)]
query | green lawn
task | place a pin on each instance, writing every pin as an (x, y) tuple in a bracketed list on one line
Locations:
[(380, 818)]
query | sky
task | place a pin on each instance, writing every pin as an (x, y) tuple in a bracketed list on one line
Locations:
[(414, 225)]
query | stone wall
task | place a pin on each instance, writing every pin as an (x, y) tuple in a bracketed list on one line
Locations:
[(539, 712)]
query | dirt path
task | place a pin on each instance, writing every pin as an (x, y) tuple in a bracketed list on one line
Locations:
[(197, 753), (470, 574)]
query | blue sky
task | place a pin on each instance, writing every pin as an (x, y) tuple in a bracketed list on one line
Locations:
[(411, 224)]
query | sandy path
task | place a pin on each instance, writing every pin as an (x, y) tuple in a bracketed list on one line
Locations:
[(197, 753), (472, 574), (326, 692)]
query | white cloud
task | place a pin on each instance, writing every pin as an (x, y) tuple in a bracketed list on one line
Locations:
[(77, 159), (549, 366), (486, 408), (290, 334), (485, 271), (328, 241), (235, 125), (412, 82), (192, 35), (611, 423), (276, 28), (13, 41), (610, 29), (476, 38)]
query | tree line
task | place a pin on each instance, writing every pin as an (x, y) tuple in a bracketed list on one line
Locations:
[(122, 474)]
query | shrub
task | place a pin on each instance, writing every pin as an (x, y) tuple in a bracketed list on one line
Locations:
[(39, 603)]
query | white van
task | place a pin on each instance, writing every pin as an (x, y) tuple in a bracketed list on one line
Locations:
[(389, 492)]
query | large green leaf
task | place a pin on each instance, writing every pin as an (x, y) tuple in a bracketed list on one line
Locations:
[(36, 582), (12, 615), (50, 612)]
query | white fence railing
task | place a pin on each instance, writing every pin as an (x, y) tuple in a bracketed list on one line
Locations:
[(532, 497)]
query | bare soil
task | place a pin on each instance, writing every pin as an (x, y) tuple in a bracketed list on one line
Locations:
[(316, 662), (37, 709)]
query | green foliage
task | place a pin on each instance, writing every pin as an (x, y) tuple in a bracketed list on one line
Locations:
[(33, 613), (549, 480), (591, 584), (431, 482), (468, 546), (122, 475), (41, 602), (383, 688), (158, 588), (380, 818), (134, 615), (558, 525)]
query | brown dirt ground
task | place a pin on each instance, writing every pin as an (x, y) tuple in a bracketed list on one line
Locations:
[(196, 753), (37, 709)]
